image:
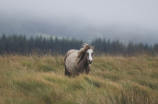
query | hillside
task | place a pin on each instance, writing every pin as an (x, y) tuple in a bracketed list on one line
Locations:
[(39, 79)]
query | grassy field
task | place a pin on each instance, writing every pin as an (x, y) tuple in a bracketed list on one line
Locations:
[(39, 79)]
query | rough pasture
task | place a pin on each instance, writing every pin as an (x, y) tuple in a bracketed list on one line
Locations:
[(40, 79)]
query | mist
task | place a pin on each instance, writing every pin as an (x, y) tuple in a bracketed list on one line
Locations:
[(126, 21)]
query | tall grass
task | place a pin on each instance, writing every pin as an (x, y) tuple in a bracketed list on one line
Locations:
[(39, 79)]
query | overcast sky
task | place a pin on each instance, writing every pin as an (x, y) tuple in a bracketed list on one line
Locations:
[(116, 19)]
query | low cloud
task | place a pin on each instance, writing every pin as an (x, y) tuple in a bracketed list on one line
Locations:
[(124, 20)]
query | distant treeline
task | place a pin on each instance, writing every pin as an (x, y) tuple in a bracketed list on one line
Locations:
[(21, 44)]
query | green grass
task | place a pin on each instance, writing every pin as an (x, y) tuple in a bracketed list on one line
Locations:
[(40, 79)]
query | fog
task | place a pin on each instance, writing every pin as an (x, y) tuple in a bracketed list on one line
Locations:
[(135, 20)]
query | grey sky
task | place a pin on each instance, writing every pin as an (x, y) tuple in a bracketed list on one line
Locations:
[(116, 19)]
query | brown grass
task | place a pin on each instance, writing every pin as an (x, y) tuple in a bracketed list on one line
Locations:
[(39, 79)]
